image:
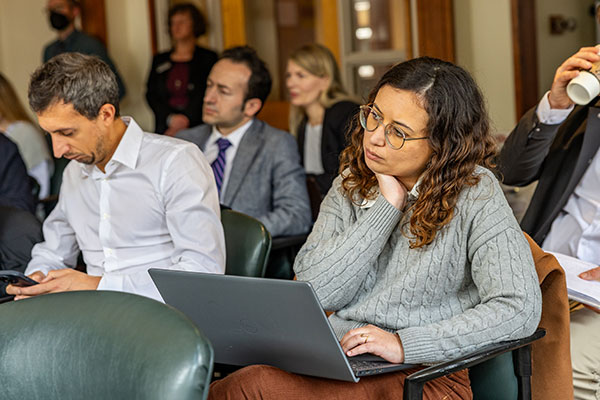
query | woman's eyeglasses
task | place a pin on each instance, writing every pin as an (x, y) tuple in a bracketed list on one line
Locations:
[(395, 137)]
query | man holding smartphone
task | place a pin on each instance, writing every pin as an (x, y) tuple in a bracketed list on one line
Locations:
[(131, 201)]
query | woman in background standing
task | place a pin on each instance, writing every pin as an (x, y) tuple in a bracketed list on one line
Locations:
[(17, 125), (177, 81), (320, 111)]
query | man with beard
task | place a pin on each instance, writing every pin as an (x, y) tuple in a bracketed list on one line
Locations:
[(62, 14), (132, 200)]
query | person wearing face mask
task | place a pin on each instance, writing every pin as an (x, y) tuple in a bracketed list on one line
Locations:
[(320, 112), (62, 14)]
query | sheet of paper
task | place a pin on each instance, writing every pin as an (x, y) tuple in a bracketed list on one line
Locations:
[(573, 267)]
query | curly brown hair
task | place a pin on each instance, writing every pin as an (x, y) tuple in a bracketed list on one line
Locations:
[(459, 137)]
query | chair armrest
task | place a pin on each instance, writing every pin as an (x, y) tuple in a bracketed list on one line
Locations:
[(413, 385)]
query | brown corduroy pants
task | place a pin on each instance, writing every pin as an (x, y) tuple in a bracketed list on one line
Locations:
[(265, 382)]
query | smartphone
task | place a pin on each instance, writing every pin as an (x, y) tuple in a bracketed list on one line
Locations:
[(16, 278)]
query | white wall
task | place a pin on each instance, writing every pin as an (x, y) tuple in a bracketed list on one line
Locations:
[(24, 30), (484, 47), (553, 50), (129, 45)]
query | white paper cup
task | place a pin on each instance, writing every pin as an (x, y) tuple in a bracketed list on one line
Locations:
[(583, 88)]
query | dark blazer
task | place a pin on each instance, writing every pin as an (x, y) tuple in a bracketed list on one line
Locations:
[(336, 124), (81, 42), (555, 155), (157, 94), (15, 184), (267, 181)]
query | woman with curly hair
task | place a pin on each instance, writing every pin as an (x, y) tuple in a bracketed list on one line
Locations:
[(415, 249)]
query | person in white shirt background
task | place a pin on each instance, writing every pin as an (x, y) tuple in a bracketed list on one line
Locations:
[(16, 124), (556, 143), (132, 200)]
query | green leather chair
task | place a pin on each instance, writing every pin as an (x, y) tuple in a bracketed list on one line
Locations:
[(100, 345), (247, 244), (500, 371)]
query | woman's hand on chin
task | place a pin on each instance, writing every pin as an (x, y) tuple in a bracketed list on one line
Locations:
[(374, 340), (393, 190)]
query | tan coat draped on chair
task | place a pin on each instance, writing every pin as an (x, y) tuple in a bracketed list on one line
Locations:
[(551, 356)]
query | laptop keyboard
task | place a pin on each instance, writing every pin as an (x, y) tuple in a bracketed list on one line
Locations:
[(361, 365)]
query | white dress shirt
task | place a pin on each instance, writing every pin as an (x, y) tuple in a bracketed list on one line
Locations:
[(313, 164), (576, 230), (211, 150), (155, 207)]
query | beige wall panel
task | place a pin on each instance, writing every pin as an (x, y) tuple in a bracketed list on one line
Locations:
[(484, 47)]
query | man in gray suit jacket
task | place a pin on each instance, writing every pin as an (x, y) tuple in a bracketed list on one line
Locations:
[(257, 167)]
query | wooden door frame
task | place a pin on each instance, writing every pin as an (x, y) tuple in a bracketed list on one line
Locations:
[(524, 55), (435, 28), (93, 19)]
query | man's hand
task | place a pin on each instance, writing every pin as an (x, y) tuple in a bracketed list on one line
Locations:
[(582, 60), (61, 280), (393, 190), (374, 340), (591, 275)]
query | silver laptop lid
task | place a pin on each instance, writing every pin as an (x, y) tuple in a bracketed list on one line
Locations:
[(258, 321)]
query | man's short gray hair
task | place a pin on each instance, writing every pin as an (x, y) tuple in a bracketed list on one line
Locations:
[(84, 81)]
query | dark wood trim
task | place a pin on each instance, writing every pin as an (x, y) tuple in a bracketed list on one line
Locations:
[(153, 39), (435, 24), (524, 55), (408, 30), (93, 19)]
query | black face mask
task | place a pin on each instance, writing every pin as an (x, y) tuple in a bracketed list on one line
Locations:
[(58, 21)]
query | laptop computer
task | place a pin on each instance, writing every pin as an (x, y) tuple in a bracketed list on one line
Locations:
[(265, 321)]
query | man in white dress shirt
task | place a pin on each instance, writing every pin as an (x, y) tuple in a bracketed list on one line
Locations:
[(557, 144), (131, 200)]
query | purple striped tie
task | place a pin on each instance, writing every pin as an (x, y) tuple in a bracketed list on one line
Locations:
[(218, 166)]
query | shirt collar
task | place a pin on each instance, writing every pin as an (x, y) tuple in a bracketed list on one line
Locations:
[(127, 151), (234, 137), (414, 192)]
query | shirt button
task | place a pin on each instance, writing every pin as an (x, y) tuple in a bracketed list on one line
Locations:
[(105, 216), (109, 252)]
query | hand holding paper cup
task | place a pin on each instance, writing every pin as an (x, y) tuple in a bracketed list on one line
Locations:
[(586, 86)]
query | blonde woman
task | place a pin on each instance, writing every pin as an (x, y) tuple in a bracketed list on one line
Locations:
[(17, 125), (320, 112)]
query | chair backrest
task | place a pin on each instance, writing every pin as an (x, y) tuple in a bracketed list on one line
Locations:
[(247, 244), (494, 379), (56, 179), (100, 345), (314, 195)]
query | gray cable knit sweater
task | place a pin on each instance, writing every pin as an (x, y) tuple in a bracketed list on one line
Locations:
[(475, 284)]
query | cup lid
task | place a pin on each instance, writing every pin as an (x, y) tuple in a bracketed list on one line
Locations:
[(583, 88)]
